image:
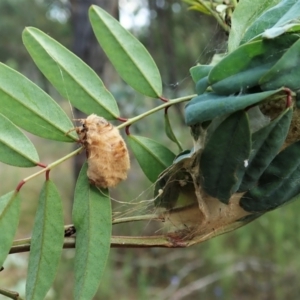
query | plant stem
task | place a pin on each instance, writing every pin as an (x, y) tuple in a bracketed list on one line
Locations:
[(142, 242), (54, 164), (136, 218), (161, 241), (10, 294), (155, 109)]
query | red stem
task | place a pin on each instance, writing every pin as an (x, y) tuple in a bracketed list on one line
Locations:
[(122, 119), (47, 175), (41, 165), (166, 110), (127, 130), (21, 183), (289, 101), (163, 99)]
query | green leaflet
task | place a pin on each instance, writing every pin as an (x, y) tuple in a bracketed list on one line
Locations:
[(285, 72), (15, 148), (92, 219), (195, 5), (247, 13), (46, 243), (73, 79), (223, 159), (152, 157), (290, 15), (278, 184), (200, 71), (200, 77), (130, 58), (210, 105), (288, 21), (202, 85), (30, 108), (9, 220), (266, 144), (243, 68), (170, 133), (277, 31), (275, 10)]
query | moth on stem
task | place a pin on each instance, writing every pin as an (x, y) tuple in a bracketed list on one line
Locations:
[(107, 154)]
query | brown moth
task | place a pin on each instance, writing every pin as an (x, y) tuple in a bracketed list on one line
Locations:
[(107, 154)]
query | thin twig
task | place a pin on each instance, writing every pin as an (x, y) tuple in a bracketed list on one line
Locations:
[(161, 241), (10, 294), (136, 219)]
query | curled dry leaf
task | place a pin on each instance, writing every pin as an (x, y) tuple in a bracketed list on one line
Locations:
[(107, 154), (190, 214)]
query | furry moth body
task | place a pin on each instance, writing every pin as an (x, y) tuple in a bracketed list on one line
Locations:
[(107, 154)]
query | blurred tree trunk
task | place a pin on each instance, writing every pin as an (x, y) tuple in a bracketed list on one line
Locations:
[(164, 36), (87, 48)]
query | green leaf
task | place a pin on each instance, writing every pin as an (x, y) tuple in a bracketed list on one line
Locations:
[(277, 31), (266, 144), (169, 132), (195, 5), (92, 218), (210, 105), (152, 157), (74, 79), (290, 15), (243, 68), (285, 72), (30, 108), (46, 243), (202, 85), (268, 19), (200, 71), (223, 158), (15, 148), (286, 13), (130, 58), (279, 183), (9, 220), (246, 18)]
